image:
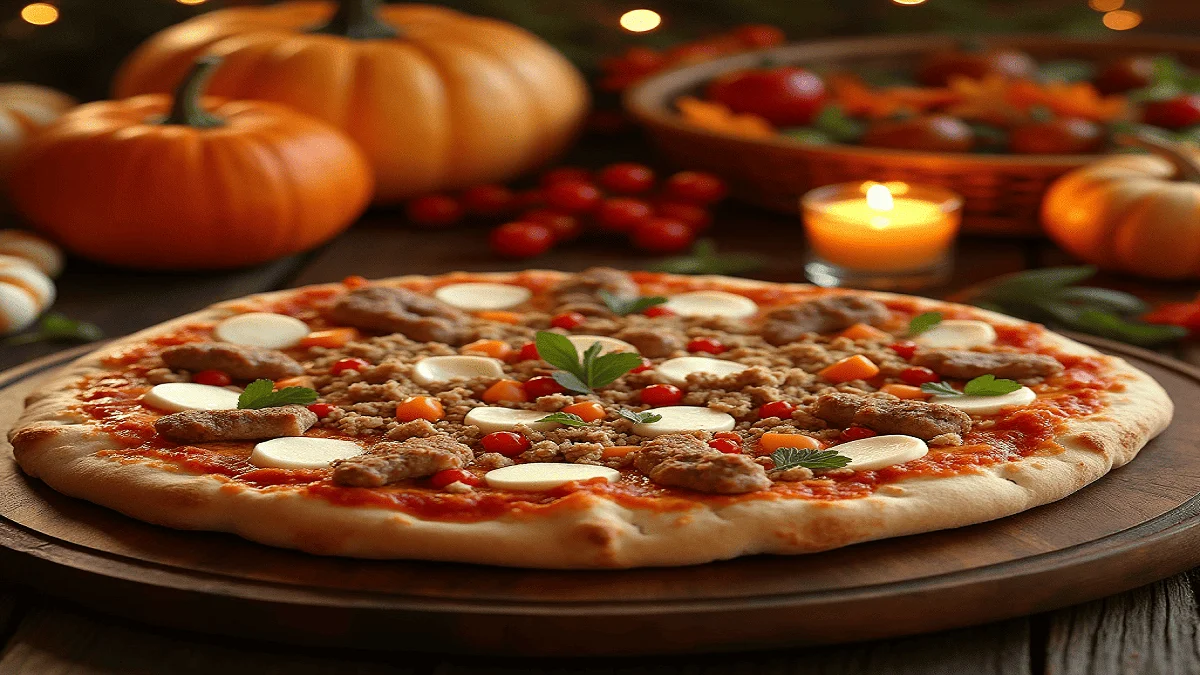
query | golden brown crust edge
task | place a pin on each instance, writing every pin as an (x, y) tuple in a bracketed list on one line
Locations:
[(53, 444)]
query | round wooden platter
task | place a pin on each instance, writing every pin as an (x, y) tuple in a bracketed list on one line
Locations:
[(1134, 526)]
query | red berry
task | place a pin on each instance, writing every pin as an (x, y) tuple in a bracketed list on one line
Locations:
[(657, 311), (1176, 113), (572, 196), (542, 385), (691, 215), (215, 378), (661, 394), (567, 320), (521, 240), (781, 409), (528, 199), (529, 352), (622, 214), (321, 409), (917, 376), (786, 96), (647, 364), (626, 179), (565, 173), (904, 348), (447, 476), (857, 433), (488, 200), (507, 443), (707, 345), (434, 211), (563, 226), (725, 445), (694, 187), (348, 364), (662, 235), (759, 35)]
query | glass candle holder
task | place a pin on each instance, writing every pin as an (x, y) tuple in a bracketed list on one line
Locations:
[(883, 236)]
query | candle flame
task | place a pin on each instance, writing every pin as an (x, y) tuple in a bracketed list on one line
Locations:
[(879, 198), (640, 20)]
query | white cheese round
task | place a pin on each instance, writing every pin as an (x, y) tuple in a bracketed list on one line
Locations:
[(684, 418), (478, 297), (712, 303), (545, 476), (262, 329), (607, 344), (299, 452), (988, 405), (676, 370), (877, 452), (445, 368), (18, 309), (30, 279), (496, 418), (957, 334), (180, 396)]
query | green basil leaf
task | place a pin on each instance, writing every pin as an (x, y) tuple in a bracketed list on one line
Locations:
[(254, 392), (626, 306), (704, 259), (790, 458), (571, 382), (988, 385), (1023, 286), (1103, 299), (56, 327), (558, 351), (646, 417), (940, 389), (923, 322), (1111, 326), (262, 394), (606, 369), (565, 418)]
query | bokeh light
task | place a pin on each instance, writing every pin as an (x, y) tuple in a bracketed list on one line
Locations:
[(1122, 19), (640, 20), (40, 13), (908, 2), (191, 2), (1106, 5)]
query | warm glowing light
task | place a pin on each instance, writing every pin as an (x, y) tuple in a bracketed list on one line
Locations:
[(908, 2), (40, 13), (1122, 19), (640, 20), (190, 2), (1106, 5), (879, 198)]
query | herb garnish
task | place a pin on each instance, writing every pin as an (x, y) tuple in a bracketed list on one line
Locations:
[(583, 375), (565, 418), (55, 327), (923, 322), (626, 306), (790, 458), (704, 259), (984, 385), (640, 417), (262, 394)]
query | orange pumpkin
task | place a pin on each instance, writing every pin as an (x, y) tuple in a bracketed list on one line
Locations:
[(437, 99), (148, 183), (25, 108)]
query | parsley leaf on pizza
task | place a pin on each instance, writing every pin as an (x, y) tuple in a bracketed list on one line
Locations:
[(790, 458), (984, 385), (261, 394), (583, 375), (626, 306), (565, 418), (640, 417), (923, 322)]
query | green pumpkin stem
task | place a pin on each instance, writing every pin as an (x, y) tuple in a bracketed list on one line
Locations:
[(357, 20), (186, 108), (1186, 168)]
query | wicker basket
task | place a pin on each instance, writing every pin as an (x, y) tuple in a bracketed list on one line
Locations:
[(1002, 192)]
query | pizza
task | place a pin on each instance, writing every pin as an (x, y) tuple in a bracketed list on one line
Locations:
[(600, 419)]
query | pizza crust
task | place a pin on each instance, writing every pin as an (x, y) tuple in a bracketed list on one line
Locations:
[(57, 445)]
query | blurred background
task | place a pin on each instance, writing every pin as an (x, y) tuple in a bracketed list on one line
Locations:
[(76, 45)]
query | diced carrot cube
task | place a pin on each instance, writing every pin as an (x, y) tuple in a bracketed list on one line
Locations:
[(298, 381), (332, 338), (618, 450), (420, 408), (770, 442), (588, 411), (493, 348), (904, 391), (857, 367), (500, 316), (863, 331), (505, 390)]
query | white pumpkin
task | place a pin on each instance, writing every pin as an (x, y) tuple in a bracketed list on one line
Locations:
[(40, 252), (25, 292)]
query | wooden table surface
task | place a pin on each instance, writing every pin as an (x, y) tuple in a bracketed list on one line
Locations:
[(1154, 629)]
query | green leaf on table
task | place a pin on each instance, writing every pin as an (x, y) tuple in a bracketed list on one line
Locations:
[(1111, 326), (639, 417), (704, 259), (1037, 283), (626, 306), (790, 458), (923, 322), (261, 394), (56, 327), (565, 418), (989, 385), (940, 389), (1103, 298)]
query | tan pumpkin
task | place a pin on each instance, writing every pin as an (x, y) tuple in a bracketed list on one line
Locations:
[(1132, 213), (436, 98), (25, 108)]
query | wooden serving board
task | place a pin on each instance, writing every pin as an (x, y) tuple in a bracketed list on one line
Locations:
[(1134, 526)]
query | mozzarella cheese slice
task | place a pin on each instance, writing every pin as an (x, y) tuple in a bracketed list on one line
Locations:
[(607, 344), (683, 418), (496, 418), (477, 297), (180, 396), (712, 303), (957, 334), (445, 368), (988, 405), (877, 452), (544, 475), (299, 452), (262, 329), (676, 370)]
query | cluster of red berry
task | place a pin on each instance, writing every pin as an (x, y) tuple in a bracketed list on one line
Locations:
[(622, 198)]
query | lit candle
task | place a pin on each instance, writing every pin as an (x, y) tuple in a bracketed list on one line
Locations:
[(880, 229)]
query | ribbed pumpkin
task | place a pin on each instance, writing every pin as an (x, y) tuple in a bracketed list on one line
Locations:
[(25, 108), (1133, 213), (436, 98), (149, 182)]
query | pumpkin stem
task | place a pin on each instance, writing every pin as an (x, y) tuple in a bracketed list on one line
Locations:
[(357, 20), (1186, 168), (186, 108)]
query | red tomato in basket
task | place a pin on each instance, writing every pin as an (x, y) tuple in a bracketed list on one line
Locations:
[(785, 96)]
